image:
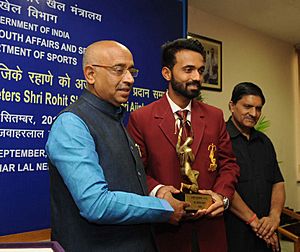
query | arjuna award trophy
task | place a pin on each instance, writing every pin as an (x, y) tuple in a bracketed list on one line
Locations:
[(189, 186)]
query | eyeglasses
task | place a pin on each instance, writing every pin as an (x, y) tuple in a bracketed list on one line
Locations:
[(120, 70)]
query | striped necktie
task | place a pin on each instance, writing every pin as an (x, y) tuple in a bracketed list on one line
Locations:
[(184, 123)]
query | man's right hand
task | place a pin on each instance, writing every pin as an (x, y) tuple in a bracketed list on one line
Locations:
[(272, 241), (165, 192)]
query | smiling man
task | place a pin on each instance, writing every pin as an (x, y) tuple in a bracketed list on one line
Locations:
[(155, 128), (260, 184), (97, 180)]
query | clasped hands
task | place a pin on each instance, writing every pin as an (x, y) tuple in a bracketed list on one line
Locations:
[(265, 229), (216, 209)]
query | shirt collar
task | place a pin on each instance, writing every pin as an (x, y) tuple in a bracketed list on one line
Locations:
[(234, 132), (175, 107)]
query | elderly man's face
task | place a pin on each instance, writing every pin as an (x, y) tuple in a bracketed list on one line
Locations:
[(246, 112), (112, 78)]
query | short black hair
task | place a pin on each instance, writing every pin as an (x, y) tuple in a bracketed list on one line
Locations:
[(246, 88), (169, 50)]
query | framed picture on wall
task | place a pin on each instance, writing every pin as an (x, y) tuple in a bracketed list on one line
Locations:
[(213, 62)]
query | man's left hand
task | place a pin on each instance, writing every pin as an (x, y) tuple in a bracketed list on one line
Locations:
[(273, 242), (217, 208), (267, 225), (195, 216)]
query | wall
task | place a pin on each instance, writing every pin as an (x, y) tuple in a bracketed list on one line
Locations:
[(270, 63)]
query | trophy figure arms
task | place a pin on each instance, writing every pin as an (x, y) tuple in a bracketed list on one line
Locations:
[(186, 158)]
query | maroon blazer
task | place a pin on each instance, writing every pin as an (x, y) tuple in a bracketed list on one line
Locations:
[(153, 129)]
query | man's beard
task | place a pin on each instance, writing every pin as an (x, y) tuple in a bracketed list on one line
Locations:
[(182, 88)]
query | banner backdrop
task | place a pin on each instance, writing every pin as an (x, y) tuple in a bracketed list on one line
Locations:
[(41, 47)]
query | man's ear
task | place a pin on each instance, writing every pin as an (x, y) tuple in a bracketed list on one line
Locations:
[(166, 73), (231, 105), (89, 74)]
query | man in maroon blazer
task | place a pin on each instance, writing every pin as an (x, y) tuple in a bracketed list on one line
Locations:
[(154, 128)]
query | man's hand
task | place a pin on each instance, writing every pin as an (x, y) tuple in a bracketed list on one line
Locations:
[(165, 192), (217, 208), (267, 226), (164, 189), (195, 216), (273, 242), (178, 207)]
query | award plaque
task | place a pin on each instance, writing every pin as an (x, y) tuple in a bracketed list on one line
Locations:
[(189, 186), (197, 201)]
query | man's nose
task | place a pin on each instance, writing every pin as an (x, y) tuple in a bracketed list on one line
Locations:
[(128, 77), (197, 76), (253, 112)]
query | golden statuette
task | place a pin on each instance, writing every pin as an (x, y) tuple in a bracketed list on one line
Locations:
[(189, 187)]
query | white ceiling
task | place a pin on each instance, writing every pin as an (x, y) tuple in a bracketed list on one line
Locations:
[(277, 18)]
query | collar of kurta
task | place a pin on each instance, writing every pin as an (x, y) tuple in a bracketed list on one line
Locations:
[(104, 106)]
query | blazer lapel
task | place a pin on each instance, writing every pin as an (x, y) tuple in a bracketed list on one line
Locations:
[(166, 120), (198, 125)]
